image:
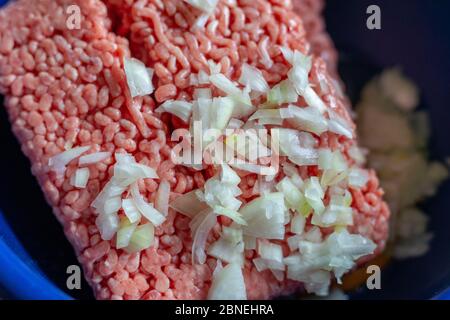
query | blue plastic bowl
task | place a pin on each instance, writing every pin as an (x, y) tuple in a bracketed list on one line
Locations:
[(415, 35)]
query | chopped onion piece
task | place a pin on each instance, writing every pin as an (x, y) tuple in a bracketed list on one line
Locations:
[(298, 75), (93, 158), (228, 284), (270, 251), (146, 209), (221, 111), (339, 126), (298, 146), (235, 123), (288, 54), (139, 77), (358, 178), (188, 204), (254, 168), (226, 85), (250, 242), (130, 210), (243, 104), (264, 264), (203, 77), (298, 224), (107, 225), (294, 198), (128, 171), (293, 243), (80, 178), (334, 215), (228, 175), (253, 78), (124, 233), (59, 162), (334, 167), (271, 114), (142, 238), (110, 190), (265, 216), (112, 205), (314, 194), (179, 108), (162, 197), (229, 247), (207, 222), (313, 100), (232, 214), (207, 6), (308, 119), (202, 93), (336, 254), (283, 92)]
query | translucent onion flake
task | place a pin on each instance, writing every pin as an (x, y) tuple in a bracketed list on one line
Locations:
[(59, 162), (179, 108), (80, 178), (142, 238), (93, 158), (139, 77), (253, 78), (228, 284), (207, 6)]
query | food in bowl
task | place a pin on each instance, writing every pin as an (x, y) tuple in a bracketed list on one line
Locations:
[(109, 110)]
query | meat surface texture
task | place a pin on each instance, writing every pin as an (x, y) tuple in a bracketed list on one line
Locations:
[(66, 88)]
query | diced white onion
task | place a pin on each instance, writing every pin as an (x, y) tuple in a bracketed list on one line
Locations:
[(283, 92), (207, 222), (270, 251), (265, 216), (188, 204), (142, 238), (253, 78), (228, 175), (202, 93), (228, 284), (93, 158), (162, 197), (125, 233), (298, 146), (298, 224), (308, 119), (179, 108), (59, 162), (339, 126), (314, 194), (235, 123), (146, 209), (294, 198), (254, 168), (207, 6), (109, 191), (232, 214), (298, 75), (313, 100), (139, 77), (80, 178), (229, 247), (107, 225), (283, 113), (243, 104), (130, 210), (334, 215), (358, 178)]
